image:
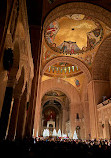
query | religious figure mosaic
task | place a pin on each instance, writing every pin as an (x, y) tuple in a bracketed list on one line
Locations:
[(73, 34)]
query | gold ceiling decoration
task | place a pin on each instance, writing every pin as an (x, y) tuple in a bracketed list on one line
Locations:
[(73, 34), (63, 69)]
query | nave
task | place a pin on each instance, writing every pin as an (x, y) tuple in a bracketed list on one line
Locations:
[(55, 78)]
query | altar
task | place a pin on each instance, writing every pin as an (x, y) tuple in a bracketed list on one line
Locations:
[(51, 126)]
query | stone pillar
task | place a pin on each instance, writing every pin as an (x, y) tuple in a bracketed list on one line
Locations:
[(63, 120), (36, 35), (100, 130), (60, 121), (22, 116), (96, 89), (5, 112), (110, 128), (92, 110), (86, 119), (104, 131), (40, 132), (106, 126), (14, 119), (28, 131), (3, 84), (57, 123)]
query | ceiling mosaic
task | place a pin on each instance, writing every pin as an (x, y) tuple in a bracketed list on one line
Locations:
[(73, 34), (63, 69)]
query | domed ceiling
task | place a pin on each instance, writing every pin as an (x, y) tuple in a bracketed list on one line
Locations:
[(73, 34)]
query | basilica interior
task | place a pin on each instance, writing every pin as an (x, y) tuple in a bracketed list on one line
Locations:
[(55, 69)]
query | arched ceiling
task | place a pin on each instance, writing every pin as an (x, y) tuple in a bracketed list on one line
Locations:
[(52, 103), (62, 69), (76, 35), (54, 98)]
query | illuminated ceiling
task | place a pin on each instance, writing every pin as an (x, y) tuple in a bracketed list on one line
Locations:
[(73, 34), (63, 69)]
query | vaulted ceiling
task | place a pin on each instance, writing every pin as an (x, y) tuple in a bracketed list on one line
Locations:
[(72, 35)]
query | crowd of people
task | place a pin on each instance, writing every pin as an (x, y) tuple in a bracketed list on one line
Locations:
[(51, 147)]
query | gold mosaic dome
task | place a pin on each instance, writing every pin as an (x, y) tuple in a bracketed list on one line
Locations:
[(73, 34)]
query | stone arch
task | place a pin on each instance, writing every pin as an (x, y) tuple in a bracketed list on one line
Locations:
[(102, 61), (55, 87), (52, 98), (86, 9), (71, 60), (52, 106), (79, 8), (68, 89), (55, 84)]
